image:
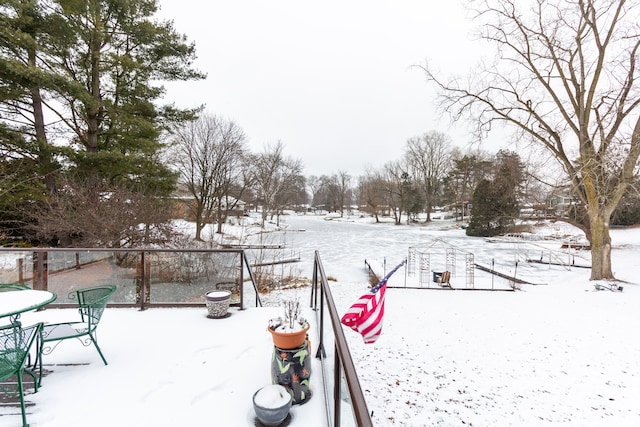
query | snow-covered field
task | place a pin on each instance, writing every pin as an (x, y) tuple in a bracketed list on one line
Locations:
[(558, 352)]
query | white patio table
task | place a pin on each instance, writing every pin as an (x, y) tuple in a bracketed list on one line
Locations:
[(14, 303)]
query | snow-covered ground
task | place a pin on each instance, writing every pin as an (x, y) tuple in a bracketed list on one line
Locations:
[(557, 352)]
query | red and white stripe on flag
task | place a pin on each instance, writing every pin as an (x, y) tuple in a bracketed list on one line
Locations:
[(366, 315)]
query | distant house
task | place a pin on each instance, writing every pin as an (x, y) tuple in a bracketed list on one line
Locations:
[(560, 205), (235, 205), (535, 210), (458, 210), (184, 204)]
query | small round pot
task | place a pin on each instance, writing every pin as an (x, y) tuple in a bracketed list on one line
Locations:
[(272, 404), (289, 340), (218, 304)]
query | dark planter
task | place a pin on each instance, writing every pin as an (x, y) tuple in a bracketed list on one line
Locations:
[(291, 368)]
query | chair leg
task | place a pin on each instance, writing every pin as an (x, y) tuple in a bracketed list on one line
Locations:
[(22, 405), (40, 349), (95, 343), (36, 382), (35, 369)]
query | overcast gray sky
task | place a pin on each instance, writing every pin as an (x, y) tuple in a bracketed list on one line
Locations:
[(333, 80)]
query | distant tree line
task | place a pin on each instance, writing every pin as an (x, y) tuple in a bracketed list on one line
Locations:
[(491, 192)]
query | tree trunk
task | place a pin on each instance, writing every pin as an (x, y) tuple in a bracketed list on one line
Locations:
[(600, 246), (199, 227), (199, 220), (264, 216), (44, 151), (220, 218)]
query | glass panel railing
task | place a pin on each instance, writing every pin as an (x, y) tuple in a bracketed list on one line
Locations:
[(142, 277), (345, 401), (346, 404), (187, 277)]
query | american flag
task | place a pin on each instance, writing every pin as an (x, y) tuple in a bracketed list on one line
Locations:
[(366, 315)]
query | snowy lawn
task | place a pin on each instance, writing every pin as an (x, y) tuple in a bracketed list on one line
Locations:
[(556, 353)]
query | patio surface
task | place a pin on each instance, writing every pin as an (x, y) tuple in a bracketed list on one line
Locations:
[(167, 367)]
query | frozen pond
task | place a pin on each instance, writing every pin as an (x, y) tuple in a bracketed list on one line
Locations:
[(344, 245)]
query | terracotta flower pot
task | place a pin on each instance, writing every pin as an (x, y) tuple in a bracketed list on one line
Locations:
[(289, 339)]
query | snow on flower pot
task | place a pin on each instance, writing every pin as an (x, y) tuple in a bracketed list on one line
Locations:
[(218, 304), (290, 331), (286, 338), (272, 404)]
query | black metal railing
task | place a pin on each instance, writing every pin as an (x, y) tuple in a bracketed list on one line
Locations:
[(143, 277), (335, 357)]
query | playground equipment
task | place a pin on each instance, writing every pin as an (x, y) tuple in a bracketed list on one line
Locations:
[(458, 264), (505, 263)]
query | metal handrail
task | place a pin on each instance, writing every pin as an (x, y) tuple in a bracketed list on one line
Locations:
[(253, 280), (342, 356)]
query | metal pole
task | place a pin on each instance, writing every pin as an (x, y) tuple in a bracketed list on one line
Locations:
[(143, 276), (493, 270)]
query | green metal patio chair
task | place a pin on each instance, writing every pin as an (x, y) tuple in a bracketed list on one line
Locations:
[(6, 287), (15, 344), (91, 305)]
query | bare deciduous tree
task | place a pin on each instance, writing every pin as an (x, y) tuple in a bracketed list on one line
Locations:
[(429, 156), (568, 82), (343, 181), (209, 154), (277, 179), (397, 190), (314, 184), (118, 217), (326, 194), (371, 192)]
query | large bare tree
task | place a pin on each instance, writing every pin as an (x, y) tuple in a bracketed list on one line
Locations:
[(277, 179), (343, 180), (371, 192), (566, 77), (398, 188), (429, 156), (209, 154)]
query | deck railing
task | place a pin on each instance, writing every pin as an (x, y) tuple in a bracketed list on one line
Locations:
[(144, 277), (338, 370)]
